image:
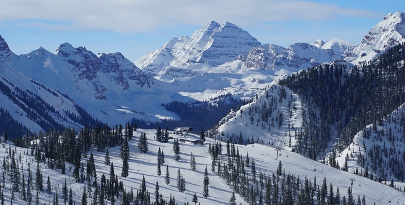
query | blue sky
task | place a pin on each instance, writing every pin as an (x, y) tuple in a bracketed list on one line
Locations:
[(137, 27)]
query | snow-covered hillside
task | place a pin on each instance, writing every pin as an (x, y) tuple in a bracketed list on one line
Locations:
[(141, 165), (273, 118), (378, 149)]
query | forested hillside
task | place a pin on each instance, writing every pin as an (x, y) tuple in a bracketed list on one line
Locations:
[(340, 101)]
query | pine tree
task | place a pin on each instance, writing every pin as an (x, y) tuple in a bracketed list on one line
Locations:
[(167, 177), (56, 199), (176, 149), (48, 185), (206, 183), (166, 136), (159, 134), (125, 168), (279, 168), (350, 200), (23, 192), (232, 201), (157, 195), (107, 158), (65, 192), (38, 179), (192, 162), (37, 198), (195, 199), (143, 143), (159, 162), (179, 180), (70, 197), (84, 197)]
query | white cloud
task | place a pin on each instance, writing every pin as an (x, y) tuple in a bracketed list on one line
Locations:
[(146, 15)]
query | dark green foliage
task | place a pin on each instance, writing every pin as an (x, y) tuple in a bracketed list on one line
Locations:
[(143, 143), (167, 176), (344, 100), (176, 149), (206, 182)]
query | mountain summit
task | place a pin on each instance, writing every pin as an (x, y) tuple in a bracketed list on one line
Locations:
[(214, 45), (387, 33)]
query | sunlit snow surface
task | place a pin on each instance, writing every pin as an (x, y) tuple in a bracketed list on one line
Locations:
[(266, 159)]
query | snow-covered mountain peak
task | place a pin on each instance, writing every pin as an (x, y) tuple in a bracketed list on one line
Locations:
[(387, 33), (214, 44), (318, 43), (211, 27), (5, 51), (65, 48)]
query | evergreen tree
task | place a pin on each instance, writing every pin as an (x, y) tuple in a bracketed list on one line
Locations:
[(206, 183), (143, 143), (157, 195), (38, 179), (179, 180), (107, 158), (192, 162), (125, 168), (48, 185), (176, 149), (124, 154), (70, 197), (159, 134), (232, 201), (350, 200), (167, 177), (84, 197), (195, 199), (279, 168), (166, 136), (37, 198), (65, 192)]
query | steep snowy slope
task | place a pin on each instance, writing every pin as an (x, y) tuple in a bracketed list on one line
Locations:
[(273, 118), (387, 33), (32, 104)]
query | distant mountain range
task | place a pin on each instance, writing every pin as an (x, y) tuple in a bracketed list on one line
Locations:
[(66, 88)]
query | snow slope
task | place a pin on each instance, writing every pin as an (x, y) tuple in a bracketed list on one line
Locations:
[(272, 118), (266, 158)]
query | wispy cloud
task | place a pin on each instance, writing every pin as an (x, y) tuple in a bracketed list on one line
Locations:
[(147, 15)]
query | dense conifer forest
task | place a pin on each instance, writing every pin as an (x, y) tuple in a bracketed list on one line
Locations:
[(340, 101)]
